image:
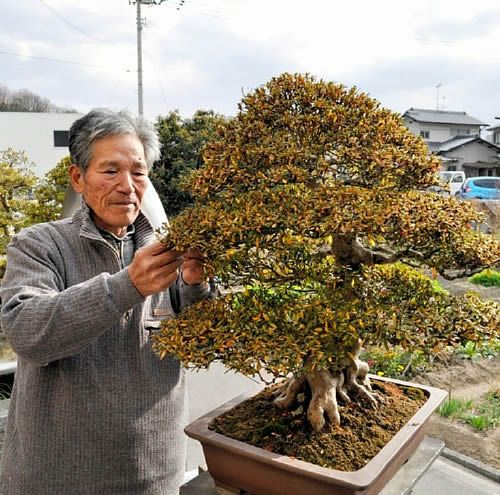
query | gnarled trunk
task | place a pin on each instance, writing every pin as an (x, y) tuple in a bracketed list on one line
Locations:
[(328, 386)]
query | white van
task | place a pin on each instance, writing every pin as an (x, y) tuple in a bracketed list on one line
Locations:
[(452, 181)]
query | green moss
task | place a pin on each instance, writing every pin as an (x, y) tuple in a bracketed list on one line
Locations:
[(487, 278)]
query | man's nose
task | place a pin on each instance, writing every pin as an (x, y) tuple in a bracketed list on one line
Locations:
[(126, 183)]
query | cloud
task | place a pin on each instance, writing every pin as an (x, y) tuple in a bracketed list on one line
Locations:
[(206, 54), (477, 26), (412, 83)]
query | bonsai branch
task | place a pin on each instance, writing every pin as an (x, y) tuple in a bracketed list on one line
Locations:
[(350, 250)]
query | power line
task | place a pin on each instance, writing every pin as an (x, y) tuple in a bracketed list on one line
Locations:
[(178, 4), (60, 61), (71, 25)]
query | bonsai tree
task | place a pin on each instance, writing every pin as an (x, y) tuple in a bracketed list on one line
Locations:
[(49, 193), (311, 207), (17, 179)]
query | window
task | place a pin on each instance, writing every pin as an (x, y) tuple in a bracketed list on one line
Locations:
[(61, 139), (487, 183), (496, 139), (425, 134), (460, 132)]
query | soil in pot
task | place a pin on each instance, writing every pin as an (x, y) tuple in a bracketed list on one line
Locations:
[(362, 433)]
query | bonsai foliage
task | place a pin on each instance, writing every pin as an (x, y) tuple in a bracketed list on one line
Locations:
[(16, 182), (311, 205), (24, 198), (49, 193)]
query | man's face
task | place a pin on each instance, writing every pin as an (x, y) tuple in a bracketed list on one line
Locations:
[(115, 181)]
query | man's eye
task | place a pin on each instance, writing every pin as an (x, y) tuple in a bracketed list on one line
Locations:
[(110, 171)]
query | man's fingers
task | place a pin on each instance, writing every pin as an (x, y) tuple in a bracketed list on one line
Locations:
[(194, 254), (166, 258), (170, 279), (157, 255), (156, 248)]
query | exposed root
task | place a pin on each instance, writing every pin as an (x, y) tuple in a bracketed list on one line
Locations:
[(362, 377), (327, 386), (358, 370), (292, 388), (363, 380), (324, 399), (341, 391)]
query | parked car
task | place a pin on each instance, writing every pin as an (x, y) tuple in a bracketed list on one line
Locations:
[(480, 188), (452, 181)]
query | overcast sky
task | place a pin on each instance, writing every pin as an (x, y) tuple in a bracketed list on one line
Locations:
[(204, 54)]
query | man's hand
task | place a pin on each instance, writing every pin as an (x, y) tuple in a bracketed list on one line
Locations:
[(154, 268), (192, 268)]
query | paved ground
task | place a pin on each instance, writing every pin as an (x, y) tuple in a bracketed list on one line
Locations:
[(446, 477), (462, 285)]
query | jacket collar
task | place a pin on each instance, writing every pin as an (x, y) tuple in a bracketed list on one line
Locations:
[(144, 232)]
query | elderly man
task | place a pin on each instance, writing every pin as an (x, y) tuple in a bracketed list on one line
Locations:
[(93, 410)]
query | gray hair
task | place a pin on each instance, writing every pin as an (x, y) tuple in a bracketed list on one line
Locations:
[(103, 122)]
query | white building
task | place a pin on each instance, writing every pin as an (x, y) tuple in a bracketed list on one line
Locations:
[(495, 134), (438, 126), (42, 136), (471, 154), (456, 138)]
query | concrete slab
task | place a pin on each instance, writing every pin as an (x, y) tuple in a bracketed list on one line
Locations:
[(4, 409), (447, 477), (472, 464), (8, 367), (201, 485), (415, 468)]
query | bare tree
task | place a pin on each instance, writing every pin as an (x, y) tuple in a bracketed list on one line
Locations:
[(24, 100)]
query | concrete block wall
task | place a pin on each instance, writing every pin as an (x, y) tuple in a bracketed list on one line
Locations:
[(4, 408), (491, 208)]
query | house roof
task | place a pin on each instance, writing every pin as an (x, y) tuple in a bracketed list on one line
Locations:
[(457, 141), (441, 117), (433, 146)]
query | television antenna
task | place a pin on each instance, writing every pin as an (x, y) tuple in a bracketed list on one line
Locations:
[(437, 96)]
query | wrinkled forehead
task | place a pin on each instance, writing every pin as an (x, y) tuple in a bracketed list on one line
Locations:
[(118, 150)]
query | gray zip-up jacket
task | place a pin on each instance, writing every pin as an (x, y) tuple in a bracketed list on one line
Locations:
[(93, 409)]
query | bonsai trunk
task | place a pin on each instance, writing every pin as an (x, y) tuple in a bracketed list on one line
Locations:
[(326, 387)]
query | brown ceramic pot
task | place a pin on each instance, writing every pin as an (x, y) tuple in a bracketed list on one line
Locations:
[(235, 465)]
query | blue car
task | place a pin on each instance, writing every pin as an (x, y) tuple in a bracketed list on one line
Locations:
[(480, 188)]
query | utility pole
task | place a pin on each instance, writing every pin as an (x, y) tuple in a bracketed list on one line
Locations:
[(140, 23), (139, 60), (437, 97)]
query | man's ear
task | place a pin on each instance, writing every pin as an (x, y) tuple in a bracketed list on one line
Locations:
[(76, 177)]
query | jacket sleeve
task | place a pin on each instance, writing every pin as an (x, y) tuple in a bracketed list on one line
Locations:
[(43, 320), (183, 295)]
